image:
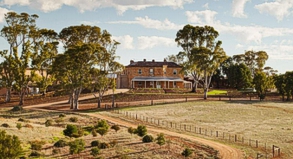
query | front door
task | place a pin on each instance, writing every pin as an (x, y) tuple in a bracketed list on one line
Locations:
[(158, 84)]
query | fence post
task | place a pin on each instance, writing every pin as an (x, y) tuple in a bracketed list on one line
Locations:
[(249, 142), (256, 143), (217, 133), (195, 129), (152, 102), (184, 127), (235, 138), (223, 135), (242, 140), (185, 99), (136, 116), (199, 130)]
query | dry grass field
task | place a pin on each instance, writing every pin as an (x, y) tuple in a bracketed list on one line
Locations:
[(124, 145), (270, 123)]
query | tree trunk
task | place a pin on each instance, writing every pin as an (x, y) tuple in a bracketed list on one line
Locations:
[(205, 86), (21, 97), (113, 99), (70, 100), (8, 95), (76, 96)]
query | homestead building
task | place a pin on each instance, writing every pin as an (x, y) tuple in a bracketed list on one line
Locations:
[(152, 74)]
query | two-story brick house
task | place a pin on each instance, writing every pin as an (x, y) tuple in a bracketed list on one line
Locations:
[(152, 74)]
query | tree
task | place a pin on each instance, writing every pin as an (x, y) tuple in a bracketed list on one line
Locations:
[(261, 84), (44, 53), (289, 84), (239, 76), (160, 139), (102, 127), (18, 34), (115, 127), (280, 84), (72, 131), (76, 146), (10, 146)]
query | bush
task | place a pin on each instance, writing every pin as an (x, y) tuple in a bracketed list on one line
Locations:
[(94, 133), (186, 152), (104, 145), (18, 126), (36, 145), (62, 115), (76, 146), (61, 143), (161, 139), (141, 130), (72, 131), (131, 130), (22, 120), (95, 151), (73, 119), (10, 146), (35, 154), (147, 138), (102, 131), (49, 123), (95, 143), (59, 120), (102, 123), (115, 127), (17, 108), (5, 125)]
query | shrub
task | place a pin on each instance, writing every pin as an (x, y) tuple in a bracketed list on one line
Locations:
[(147, 138), (11, 146), (22, 120), (131, 130), (59, 120), (61, 143), (70, 130), (186, 152), (94, 133), (73, 119), (5, 125), (35, 154), (102, 123), (76, 146), (115, 127), (104, 145), (95, 151), (18, 126), (95, 143), (160, 139), (62, 115), (17, 108), (49, 123), (36, 145), (141, 130), (102, 131)]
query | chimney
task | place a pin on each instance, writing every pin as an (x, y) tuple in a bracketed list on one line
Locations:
[(131, 61), (153, 60), (144, 60), (165, 60)]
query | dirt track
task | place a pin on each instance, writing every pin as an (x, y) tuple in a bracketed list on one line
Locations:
[(226, 152)]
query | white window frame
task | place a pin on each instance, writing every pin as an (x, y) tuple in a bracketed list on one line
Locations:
[(151, 71), (139, 71)]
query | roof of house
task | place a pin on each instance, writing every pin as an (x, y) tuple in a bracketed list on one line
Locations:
[(152, 63)]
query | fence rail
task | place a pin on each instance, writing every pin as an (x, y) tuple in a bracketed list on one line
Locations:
[(267, 152)]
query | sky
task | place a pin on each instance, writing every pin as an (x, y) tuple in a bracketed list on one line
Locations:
[(147, 29)]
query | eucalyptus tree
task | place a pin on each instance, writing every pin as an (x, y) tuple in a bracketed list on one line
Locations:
[(187, 38), (280, 84), (260, 82), (44, 52), (17, 33), (207, 54), (239, 76), (88, 50), (289, 84), (6, 73)]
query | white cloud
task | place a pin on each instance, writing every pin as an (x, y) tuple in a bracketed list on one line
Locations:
[(239, 46), (278, 8), (206, 6), (201, 17), (126, 41), (277, 50), (15, 2), (242, 33), (151, 23), (3, 11), (84, 5), (147, 42), (238, 8)]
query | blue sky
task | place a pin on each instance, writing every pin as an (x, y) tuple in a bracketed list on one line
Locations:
[(146, 29)]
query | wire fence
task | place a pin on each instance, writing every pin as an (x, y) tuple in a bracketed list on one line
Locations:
[(267, 151)]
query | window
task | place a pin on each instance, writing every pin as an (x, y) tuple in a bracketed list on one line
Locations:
[(139, 71), (175, 83), (175, 72), (151, 71), (151, 83), (164, 70), (139, 83)]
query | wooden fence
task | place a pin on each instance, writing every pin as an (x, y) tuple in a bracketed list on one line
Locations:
[(267, 152)]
